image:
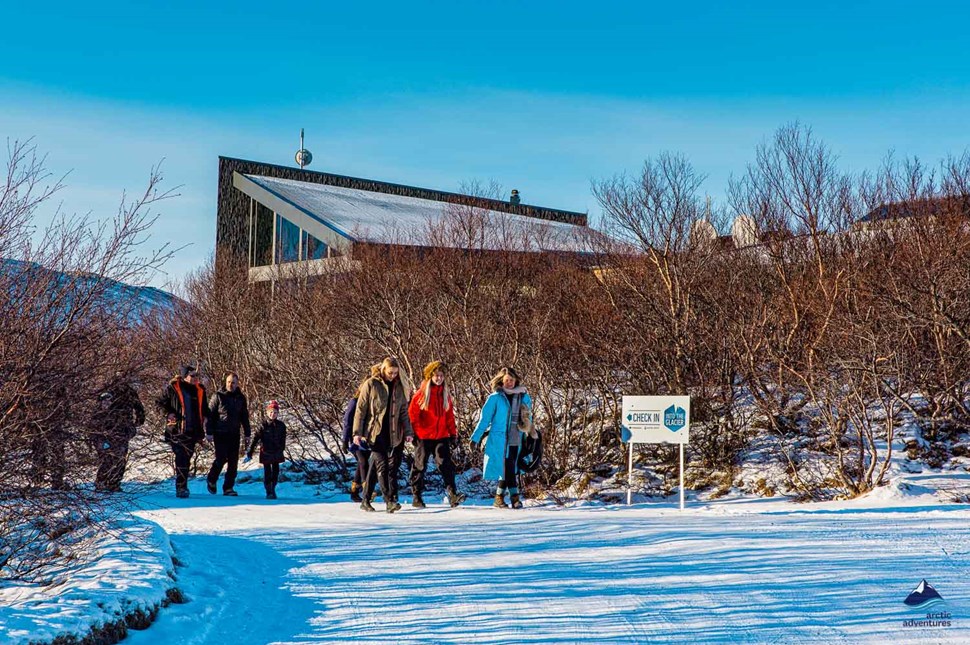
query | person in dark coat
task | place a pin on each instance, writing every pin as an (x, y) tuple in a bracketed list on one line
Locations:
[(360, 451), (186, 409), (271, 439), (381, 419), (228, 414), (432, 413), (121, 414)]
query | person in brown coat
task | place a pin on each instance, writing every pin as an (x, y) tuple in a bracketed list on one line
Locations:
[(382, 421)]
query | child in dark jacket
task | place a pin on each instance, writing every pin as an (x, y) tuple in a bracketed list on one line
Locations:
[(271, 437)]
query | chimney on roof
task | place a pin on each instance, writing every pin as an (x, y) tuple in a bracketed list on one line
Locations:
[(514, 199)]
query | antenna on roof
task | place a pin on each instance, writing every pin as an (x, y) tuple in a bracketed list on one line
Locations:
[(303, 156)]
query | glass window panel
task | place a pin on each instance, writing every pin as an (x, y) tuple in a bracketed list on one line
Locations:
[(313, 249), (262, 239), (287, 241)]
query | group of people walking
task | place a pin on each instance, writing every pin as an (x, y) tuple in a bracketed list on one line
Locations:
[(223, 421), (381, 418)]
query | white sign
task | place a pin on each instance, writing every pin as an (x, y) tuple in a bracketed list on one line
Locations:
[(655, 419)]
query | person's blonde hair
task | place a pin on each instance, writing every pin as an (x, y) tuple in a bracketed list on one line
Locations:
[(496, 381), (429, 371), (376, 371)]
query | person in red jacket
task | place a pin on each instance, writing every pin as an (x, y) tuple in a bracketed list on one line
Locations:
[(432, 413)]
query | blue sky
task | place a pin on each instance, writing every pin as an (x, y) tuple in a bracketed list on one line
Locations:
[(539, 96)]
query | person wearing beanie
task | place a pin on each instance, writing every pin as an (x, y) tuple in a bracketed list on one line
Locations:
[(381, 420), (271, 439), (506, 415), (432, 414), (184, 405)]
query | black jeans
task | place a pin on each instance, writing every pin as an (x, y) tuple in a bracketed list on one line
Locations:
[(511, 470), (384, 467), (271, 477), (363, 464), (111, 464), (440, 450), (183, 449), (227, 454)]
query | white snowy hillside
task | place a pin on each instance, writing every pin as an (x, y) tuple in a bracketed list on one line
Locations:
[(142, 300)]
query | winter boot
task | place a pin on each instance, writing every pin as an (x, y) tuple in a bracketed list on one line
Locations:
[(211, 487), (182, 493), (455, 498), (355, 493), (500, 501), (417, 502), (230, 493), (393, 506), (516, 501), (365, 503)]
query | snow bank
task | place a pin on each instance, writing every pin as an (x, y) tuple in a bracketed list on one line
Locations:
[(124, 585)]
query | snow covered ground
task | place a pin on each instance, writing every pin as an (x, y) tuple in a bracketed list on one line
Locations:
[(133, 571), (314, 569)]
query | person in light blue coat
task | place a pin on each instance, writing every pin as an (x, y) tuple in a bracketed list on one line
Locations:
[(506, 412)]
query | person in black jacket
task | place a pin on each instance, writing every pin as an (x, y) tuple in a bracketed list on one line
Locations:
[(121, 415), (229, 411), (185, 408), (360, 451), (271, 437)]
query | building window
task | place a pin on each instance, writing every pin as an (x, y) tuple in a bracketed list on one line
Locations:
[(261, 237), (313, 249), (287, 240)]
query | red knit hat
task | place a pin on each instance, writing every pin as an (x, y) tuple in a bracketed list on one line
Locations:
[(273, 405)]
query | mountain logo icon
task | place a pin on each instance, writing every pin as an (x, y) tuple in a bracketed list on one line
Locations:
[(924, 595)]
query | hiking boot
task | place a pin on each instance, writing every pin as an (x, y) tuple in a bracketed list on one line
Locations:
[(270, 495), (516, 501), (230, 493), (455, 498), (365, 505), (355, 493), (393, 506), (417, 502), (211, 487), (182, 493), (500, 502)]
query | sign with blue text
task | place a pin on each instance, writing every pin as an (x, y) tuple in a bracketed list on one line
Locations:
[(655, 419)]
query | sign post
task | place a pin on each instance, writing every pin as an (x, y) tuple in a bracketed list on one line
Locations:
[(655, 419)]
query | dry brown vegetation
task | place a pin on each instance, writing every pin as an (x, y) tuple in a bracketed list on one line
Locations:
[(68, 332), (821, 334)]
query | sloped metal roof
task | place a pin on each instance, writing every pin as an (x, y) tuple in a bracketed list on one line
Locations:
[(379, 218)]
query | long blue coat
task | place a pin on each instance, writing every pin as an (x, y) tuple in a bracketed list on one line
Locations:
[(495, 421)]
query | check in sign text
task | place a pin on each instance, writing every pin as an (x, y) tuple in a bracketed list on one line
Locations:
[(656, 419)]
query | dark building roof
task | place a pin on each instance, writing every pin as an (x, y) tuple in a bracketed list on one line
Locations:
[(957, 205), (233, 203)]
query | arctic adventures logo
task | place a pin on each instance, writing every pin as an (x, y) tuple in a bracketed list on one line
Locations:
[(923, 597)]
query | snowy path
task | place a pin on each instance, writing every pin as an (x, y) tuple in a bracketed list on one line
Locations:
[(306, 570)]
